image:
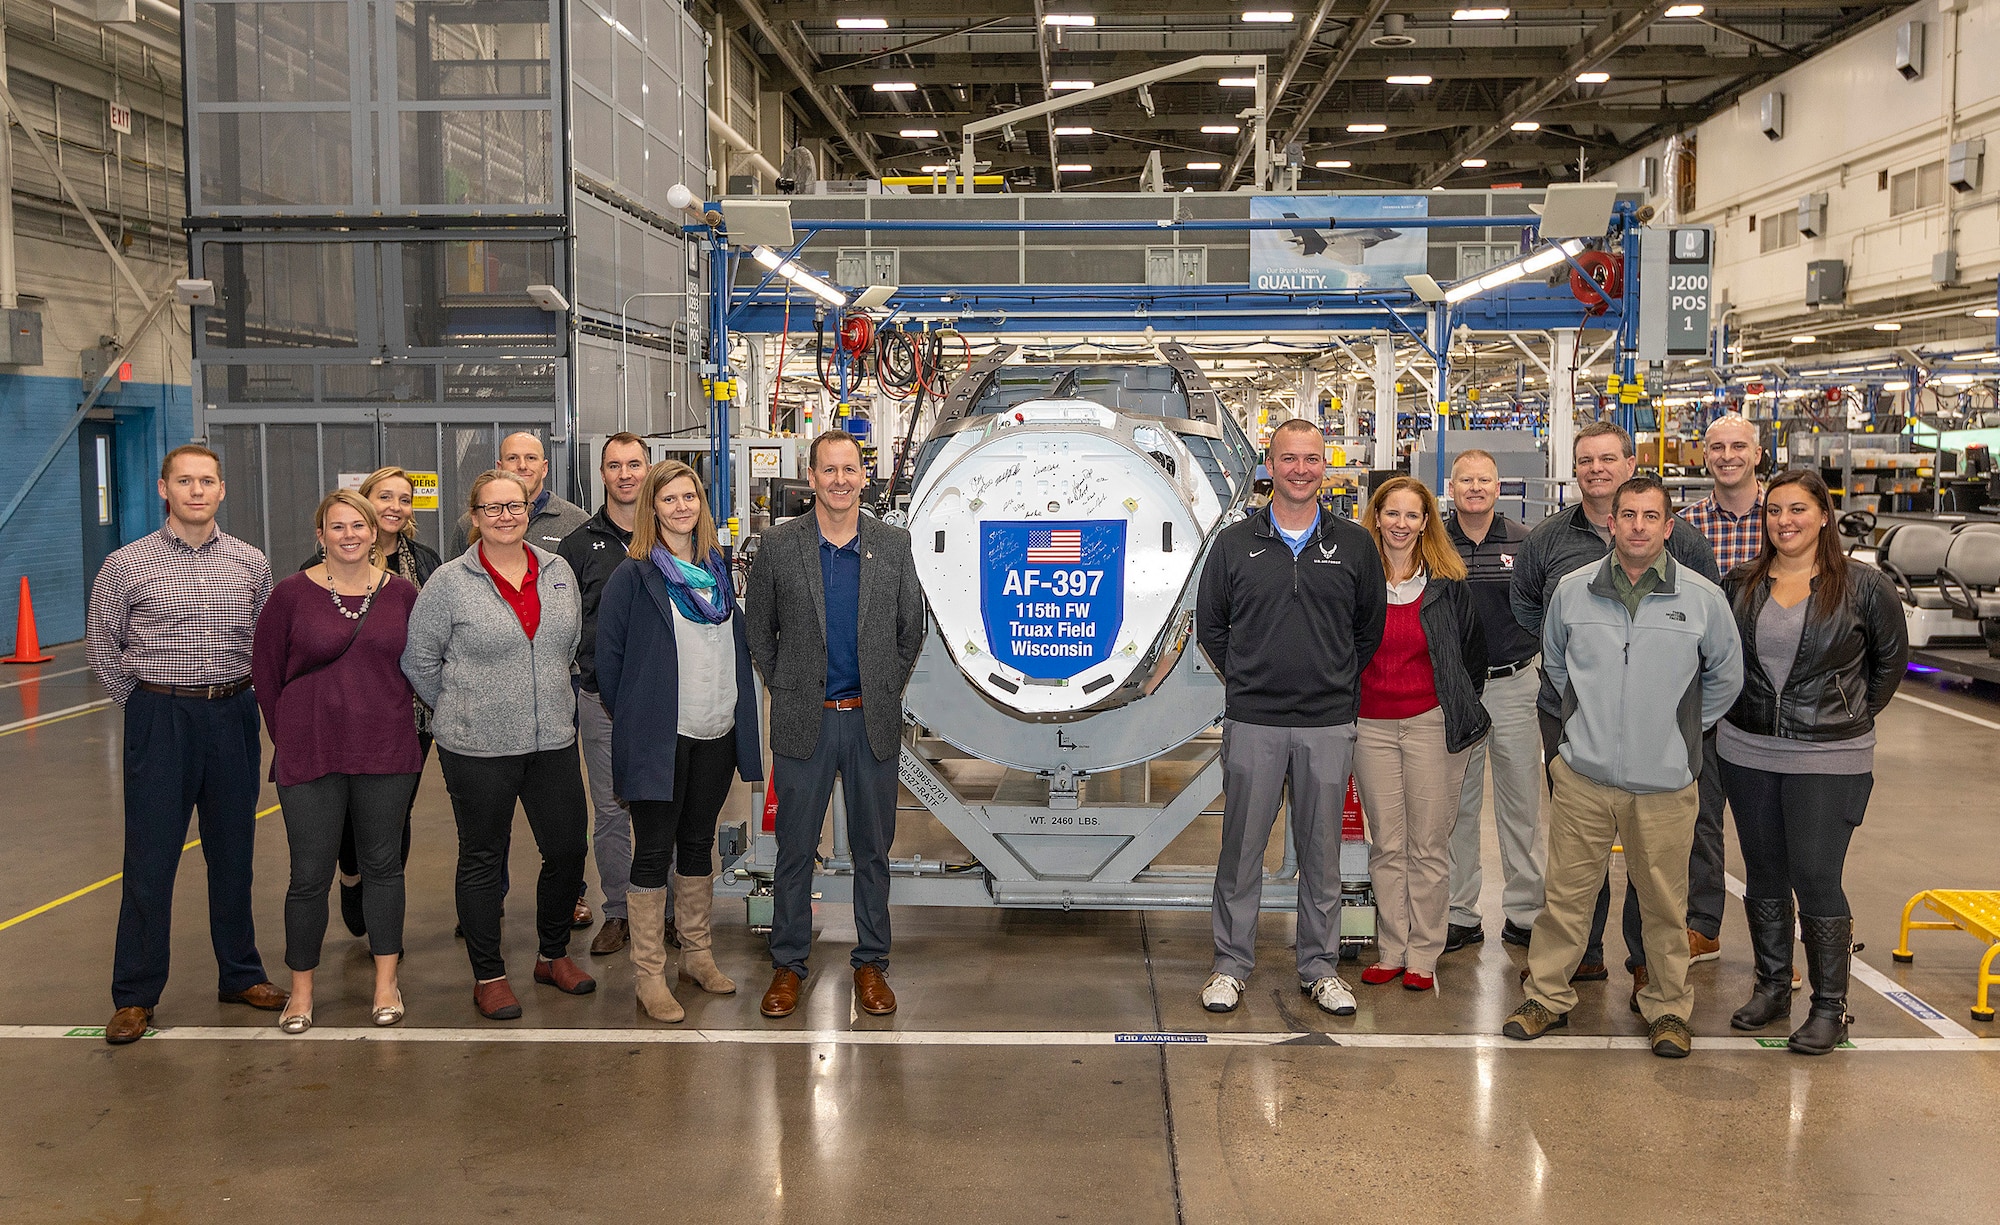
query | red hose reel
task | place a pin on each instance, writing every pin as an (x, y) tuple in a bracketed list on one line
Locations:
[(857, 335), (1605, 282)]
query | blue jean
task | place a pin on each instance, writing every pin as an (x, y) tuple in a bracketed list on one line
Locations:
[(186, 756), (804, 786)]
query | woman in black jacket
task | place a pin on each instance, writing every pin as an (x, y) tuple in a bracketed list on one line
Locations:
[(1420, 714), (673, 668), (392, 493), (1824, 647)]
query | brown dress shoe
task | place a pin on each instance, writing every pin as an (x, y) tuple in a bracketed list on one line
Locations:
[(564, 975), (614, 935), (580, 918), (871, 989), (783, 995), (496, 1000), (1639, 980), (263, 995), (127, 1025)]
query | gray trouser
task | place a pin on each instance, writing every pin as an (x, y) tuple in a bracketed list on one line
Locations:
[(805, 786), (1515, 748), (1256, 763), (611, 827)]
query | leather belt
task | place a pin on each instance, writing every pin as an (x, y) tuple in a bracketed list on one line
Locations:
[(207, 693), (844, 704), (1494, 674)]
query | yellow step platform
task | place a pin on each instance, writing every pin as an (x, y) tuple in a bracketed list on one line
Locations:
[(1976, 911)]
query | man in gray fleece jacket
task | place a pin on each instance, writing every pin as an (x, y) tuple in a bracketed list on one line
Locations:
[(1645, 656)]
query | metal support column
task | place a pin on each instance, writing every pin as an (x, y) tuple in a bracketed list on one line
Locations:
[(1562, 405), (1385, 402), (1441, 392), (1350, 407)]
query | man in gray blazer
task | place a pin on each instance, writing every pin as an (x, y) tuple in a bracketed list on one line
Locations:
[(835, 619)]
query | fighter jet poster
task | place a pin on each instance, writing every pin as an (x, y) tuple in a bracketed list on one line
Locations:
[(1314, 258)]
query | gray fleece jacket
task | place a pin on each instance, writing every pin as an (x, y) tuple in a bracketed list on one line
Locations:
[(495, 692)]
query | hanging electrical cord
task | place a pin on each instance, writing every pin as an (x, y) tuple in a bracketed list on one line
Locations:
[(784, 339), (897, 362)]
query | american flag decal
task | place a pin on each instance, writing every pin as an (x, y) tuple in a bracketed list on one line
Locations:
[(1058, 547)]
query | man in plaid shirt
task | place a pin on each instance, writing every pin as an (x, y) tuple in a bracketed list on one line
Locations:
[(1732, 517)]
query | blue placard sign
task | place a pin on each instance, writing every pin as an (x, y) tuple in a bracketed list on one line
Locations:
[(1053, 594)]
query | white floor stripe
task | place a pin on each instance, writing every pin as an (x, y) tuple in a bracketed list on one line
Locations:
[(1909, 1001), (988, 1038), (46, 676), (1946, 710), (20, 724)]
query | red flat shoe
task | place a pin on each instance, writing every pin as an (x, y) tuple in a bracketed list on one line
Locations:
[(1375, 976), (1413, 981)]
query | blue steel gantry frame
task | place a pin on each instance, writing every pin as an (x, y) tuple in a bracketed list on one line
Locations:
[(1526, 305)]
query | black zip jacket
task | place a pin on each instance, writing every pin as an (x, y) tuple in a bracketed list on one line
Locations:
[(1848, 666), (1489, 572), (593, 551), (1564, 543), (1291, 635), (1456, 642)]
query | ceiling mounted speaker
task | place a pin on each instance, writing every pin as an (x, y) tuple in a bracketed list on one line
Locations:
[(1392, 34)]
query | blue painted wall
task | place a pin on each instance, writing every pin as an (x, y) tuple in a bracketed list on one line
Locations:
[(44, 540)]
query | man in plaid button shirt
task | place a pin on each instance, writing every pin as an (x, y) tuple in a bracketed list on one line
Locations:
[(1732, 517)]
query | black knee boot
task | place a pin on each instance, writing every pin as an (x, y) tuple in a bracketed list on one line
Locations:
[(1829, 942), (1770, 922)]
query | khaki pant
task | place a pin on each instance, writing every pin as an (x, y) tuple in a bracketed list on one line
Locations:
[(1409, 790), (1657, 830)]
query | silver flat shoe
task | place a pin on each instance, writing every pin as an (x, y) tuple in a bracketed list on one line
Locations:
[(390, 1014), (296, 1023)]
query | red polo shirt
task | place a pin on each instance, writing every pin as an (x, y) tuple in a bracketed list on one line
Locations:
[(525, 600)]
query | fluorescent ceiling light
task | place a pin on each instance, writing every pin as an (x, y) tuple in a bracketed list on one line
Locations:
[(917, 133), (1481, 14), (939, 169), (799, 276), (1527, 125), (895, 87), (1075, 131), (1461, 291), (1958, 380), (1503, 275), (1412, 79), (1987, 312), (1074, 168), (1333, 165), (1062, 86), (1898, 385), (1592, 78), (1204, 165), (1685, 10), (1805, 340), (1069, 19), (1220, 129), (1888, 327), (1474, 163), (1274, 16), (1367, 127), (863, 23), (1238, 82)]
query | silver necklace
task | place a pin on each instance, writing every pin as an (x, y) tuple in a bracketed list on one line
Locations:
[(367, 599)]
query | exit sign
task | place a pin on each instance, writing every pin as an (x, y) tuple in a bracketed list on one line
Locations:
[(121, 119)]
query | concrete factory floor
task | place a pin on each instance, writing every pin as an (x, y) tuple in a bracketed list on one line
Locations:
[(1000, 1091)]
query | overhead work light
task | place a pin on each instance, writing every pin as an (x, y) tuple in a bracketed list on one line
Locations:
[(1220, 129), (862, 23), (1068, 19), (1592, 78), (1481, 14), (1527, 125), (1238, 82), (1075, 131), (1411, 79), (799, 276), (917, 133), (1367, 127), (1540, 261)]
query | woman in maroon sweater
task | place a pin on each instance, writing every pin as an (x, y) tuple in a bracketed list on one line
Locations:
[(1420, 713), (327, 666)]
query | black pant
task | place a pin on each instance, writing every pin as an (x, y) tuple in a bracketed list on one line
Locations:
[(376, 808), (1631, 920), (350, 859), (703, 772), (184, 755), (1794, 829), (549, 786)]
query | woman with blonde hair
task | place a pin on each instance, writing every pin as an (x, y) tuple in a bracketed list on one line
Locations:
[(491, 640), (326, 666), (392, 493), (673, 668), (1420, 713)]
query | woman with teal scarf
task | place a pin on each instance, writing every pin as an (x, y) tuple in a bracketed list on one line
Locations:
[(673, 668)]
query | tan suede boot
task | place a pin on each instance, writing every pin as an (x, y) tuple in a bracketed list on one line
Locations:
[(694, 902), (646, 910)]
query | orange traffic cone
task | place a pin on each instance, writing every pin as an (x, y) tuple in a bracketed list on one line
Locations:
[(27, 643)]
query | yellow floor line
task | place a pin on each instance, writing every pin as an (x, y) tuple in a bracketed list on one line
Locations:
[(45, 907)]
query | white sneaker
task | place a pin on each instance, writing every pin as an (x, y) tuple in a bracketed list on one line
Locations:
[(1221, 993), (1331, 995)]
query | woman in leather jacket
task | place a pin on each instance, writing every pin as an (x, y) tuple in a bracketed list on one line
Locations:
[(1824, 647)]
